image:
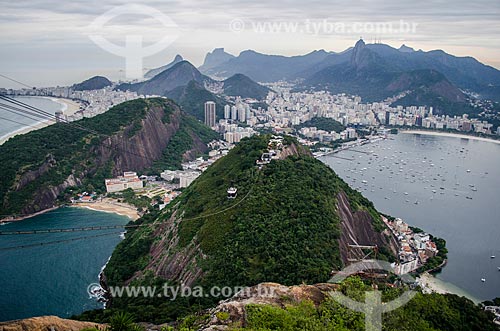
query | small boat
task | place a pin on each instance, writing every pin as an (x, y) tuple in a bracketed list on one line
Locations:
[(416, 202), (498, 268), (483, 280), (468, 170), (493, 256)]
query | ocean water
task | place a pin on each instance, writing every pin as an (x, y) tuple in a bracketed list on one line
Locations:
[(53, 279), (46, 104), (400, 175)]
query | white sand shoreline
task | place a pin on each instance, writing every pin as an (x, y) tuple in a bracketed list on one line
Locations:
[(68, 107), (432, 284), (449, 134), (109, 206)]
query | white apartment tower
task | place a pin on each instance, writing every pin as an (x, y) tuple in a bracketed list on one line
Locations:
[(227, 112), (210, 113)]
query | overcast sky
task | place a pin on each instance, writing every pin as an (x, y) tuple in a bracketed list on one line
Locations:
[(47, 42)]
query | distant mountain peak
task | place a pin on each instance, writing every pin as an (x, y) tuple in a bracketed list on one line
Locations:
[(360, 43), (215, 58), (406, 49), (153, 72), (357, 53), (243, 86), (94, 83), (180, 74)]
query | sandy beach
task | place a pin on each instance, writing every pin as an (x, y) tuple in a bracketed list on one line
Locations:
[(68, 107), (449, 134), (110, 206), (430, 284)]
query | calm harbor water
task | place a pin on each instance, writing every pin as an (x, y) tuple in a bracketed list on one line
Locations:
[(449, 187), (53, 279), (20, 121)]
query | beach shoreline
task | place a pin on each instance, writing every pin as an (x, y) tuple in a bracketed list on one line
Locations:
[(432, 284), (68, 108), (449, 134), (106, 205), (109, 206)]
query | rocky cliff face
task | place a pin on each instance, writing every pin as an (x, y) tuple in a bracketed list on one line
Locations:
[(145, 146), (357, 229), (134, 146)]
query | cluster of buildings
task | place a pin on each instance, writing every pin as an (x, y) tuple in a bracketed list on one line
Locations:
[(183, 177), (236, 123), (121, 183), (496, 311), (274, 149), (92, 102), (413, 116), (171, 180), (327, 136), (414, 248), (287, 109), (84, 197)]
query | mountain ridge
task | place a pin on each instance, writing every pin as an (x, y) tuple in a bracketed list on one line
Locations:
[(153, 72), (132, 136), (464, 72), (180, 74)]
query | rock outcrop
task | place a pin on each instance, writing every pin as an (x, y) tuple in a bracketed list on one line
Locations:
[(135, 145), (47, 323), (263, 294)]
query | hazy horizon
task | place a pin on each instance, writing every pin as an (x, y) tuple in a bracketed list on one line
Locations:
[(48, 43)]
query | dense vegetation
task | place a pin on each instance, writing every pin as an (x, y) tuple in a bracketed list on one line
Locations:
[(430, 312), (64, 149), (192, 98), (322, 123), (182, 142), (94, 83), (49, 155), (282, 227), (241, 85)]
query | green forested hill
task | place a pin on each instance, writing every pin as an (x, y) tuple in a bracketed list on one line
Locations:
[(38, 167), (283, 227)]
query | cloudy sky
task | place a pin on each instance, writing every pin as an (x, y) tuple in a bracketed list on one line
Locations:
[(47, 42)]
